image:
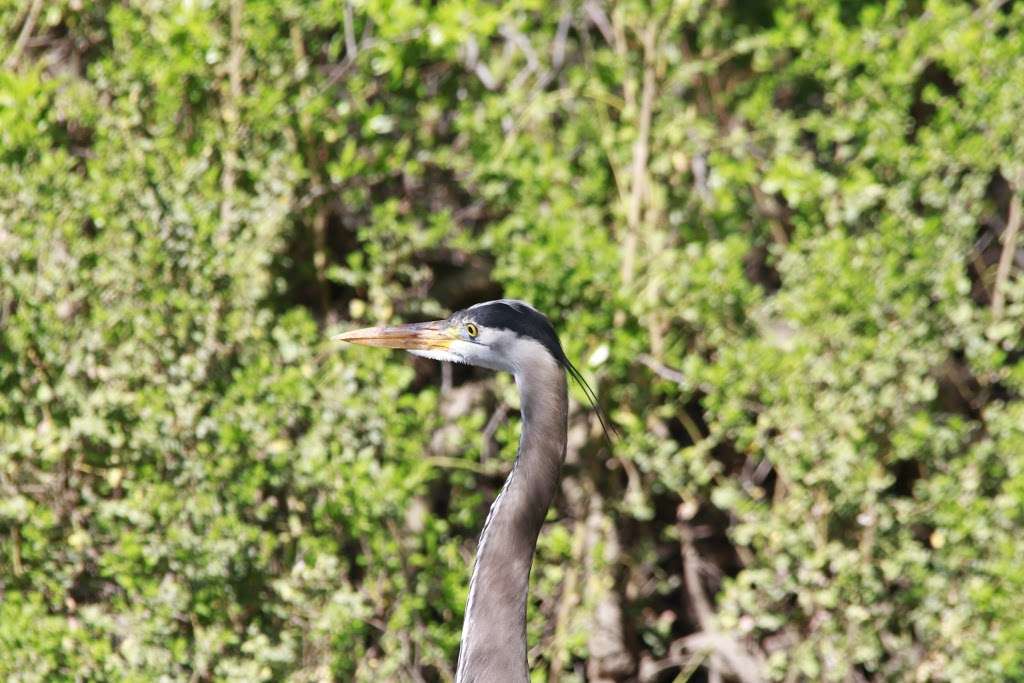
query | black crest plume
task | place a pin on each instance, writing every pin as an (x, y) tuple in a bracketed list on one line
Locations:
[(527, 321)]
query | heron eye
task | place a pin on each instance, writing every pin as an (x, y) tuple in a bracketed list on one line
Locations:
[(472, 330)]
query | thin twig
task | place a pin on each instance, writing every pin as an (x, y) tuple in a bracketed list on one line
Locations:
[(336, 72), (679, 378), (599, 19), (979, 268), (664, 371), (641, 150), (687, 661), (1013, 222), (16, 558), (231, 117), (691, 574), (487, 450), (25, 34), (516, 37), (558, 45), (351, 49), (445, 462)]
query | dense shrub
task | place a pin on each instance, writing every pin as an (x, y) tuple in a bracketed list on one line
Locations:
[(780, 238)]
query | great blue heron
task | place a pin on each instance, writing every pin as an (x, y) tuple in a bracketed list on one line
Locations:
[(512, 336)]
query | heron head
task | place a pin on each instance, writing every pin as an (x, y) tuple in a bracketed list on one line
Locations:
[(506, 334), (499, 335)]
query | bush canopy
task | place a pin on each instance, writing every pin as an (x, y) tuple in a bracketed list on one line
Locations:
[(781, 239)]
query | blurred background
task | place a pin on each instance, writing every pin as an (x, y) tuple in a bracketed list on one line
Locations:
[(780, 239)]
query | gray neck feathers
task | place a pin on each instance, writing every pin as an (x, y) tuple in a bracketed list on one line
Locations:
[(493, 644)]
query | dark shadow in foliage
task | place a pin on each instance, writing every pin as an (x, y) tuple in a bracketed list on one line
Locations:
[(934, 75), (800, 96)]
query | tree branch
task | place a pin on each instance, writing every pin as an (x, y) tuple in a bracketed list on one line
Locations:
[(723, 647)]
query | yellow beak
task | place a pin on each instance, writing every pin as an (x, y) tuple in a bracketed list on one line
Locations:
[(414, 337)]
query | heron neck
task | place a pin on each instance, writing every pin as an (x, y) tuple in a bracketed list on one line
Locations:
[(493, 644)]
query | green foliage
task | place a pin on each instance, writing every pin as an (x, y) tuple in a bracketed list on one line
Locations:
[(776, 236)]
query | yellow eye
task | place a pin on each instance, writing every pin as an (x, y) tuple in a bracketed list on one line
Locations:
[(472, 330)]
